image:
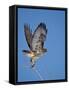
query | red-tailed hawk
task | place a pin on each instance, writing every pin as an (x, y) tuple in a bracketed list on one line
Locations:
[(35, 42)]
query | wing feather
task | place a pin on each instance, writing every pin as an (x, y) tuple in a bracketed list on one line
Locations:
[(39, 37), (28, 35)]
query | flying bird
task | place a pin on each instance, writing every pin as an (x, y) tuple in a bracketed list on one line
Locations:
[(35, 42)]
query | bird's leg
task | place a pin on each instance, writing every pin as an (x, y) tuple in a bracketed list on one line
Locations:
[(32, 62)]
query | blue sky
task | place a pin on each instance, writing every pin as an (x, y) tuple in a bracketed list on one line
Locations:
[(51, 66)]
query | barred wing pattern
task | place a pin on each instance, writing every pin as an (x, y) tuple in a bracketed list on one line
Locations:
[(35, 42), (28, 35), (39, 37)]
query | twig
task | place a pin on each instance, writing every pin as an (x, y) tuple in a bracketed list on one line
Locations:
[(38, 73)]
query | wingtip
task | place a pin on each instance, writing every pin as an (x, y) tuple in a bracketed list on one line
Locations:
[(43, 25)]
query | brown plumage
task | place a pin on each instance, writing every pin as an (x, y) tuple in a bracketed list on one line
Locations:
[(35, 42)]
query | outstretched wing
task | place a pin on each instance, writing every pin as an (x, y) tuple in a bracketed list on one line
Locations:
[(39, 37), (28, 35)]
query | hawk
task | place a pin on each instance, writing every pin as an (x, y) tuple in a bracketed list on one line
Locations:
[(35, 42)]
